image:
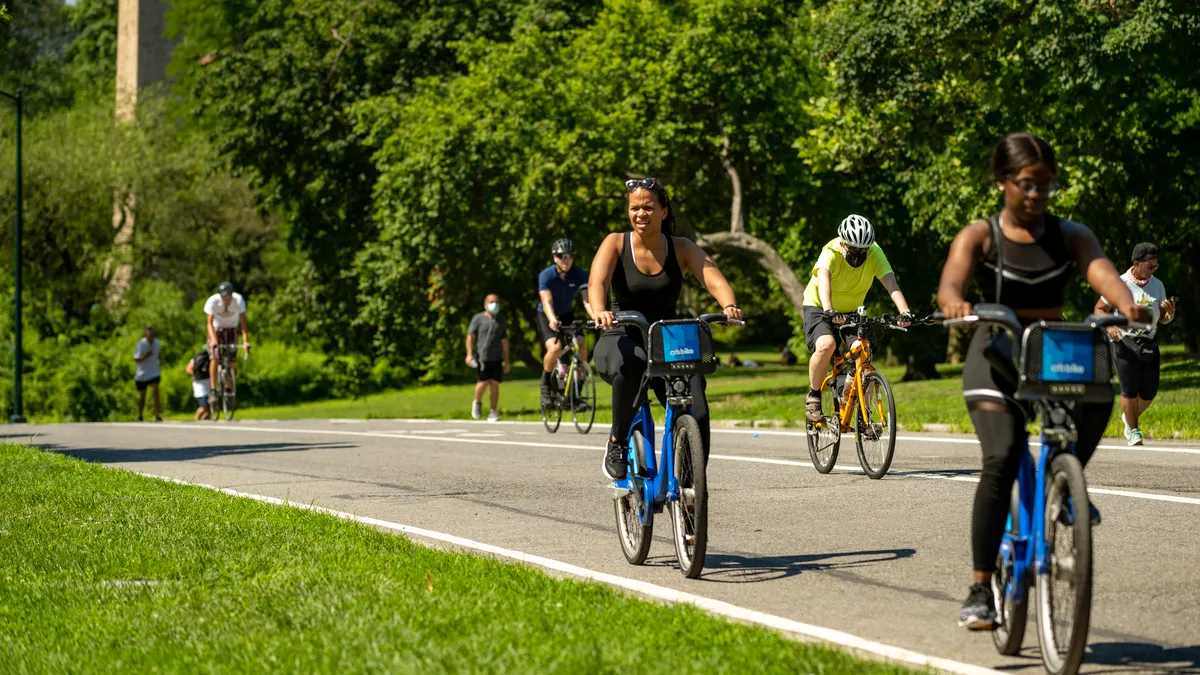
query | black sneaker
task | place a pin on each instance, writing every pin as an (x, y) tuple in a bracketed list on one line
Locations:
[(614, 461), (547, 396), (979, 611)]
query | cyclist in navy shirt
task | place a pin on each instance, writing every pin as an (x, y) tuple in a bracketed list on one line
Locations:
[(558, 285)]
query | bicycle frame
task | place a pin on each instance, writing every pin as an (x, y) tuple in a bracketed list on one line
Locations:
[(659, 487), (860, 354), (1029, 547)]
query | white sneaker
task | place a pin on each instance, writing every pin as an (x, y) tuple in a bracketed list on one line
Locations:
[(477, 411), (1127, 427), (1135, 436), (494, 416)]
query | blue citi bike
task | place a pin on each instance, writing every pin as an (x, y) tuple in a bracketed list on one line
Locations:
[(1047, 542), (675, 351)]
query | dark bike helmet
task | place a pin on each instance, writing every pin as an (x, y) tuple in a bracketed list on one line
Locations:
[(224, 288), (562, 246)]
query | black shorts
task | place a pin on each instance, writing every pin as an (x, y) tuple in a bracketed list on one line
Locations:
[(1139, 379), (142, 385), (490, 370), (817, 324), (543, 325)]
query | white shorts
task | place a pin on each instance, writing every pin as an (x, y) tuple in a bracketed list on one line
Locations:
[(201, 388)]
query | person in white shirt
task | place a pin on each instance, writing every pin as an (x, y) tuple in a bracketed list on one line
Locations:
[(1136, 352), (226, 313), (147, 374)]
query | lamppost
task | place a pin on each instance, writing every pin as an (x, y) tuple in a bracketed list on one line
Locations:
[(17, 416)]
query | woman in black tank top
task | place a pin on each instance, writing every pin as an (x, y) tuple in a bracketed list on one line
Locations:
[(644, 269), (1036, 253)]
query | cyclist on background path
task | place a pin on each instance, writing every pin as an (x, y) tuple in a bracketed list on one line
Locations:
[(226, 312), (558, 285), (848, 265), (147, 374), (1037, 252), (487, 353), (1136, 352), (197, 367), (645, 269)]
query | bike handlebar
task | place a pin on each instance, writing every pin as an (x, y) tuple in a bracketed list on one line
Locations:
[(637, 319), (1002, 315)]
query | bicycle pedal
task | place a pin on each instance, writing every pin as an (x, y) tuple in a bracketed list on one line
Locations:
[(618, 492)]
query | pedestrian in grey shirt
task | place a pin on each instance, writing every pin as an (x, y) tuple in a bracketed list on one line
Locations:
[(487, 353), (145, 355)]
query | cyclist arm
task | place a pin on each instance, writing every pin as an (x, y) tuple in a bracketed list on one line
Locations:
[(893, 288), (548, 308), (702, 267), (1100, 273), (245, 329), (965, 252), (600, 277), (212, 332), (587, 306), (825, 288)]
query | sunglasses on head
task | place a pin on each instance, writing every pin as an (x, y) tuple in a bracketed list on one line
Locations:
[(635, 183)]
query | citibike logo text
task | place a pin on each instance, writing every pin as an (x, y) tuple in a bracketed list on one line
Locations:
[(1068, 369), (683, 351)]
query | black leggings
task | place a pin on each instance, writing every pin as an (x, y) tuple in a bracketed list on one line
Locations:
[(1001, 436), (621, 362)]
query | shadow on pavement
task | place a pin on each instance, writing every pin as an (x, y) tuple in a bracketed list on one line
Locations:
[(1143, 657), (120, 455), (739, 569)]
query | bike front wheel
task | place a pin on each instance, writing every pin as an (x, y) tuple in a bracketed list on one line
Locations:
[(825, 437), (634, 536), (583, 398), (690, 511), (229, 396), (875, 434), (1010, 614), (552, 411), (1064, 594)]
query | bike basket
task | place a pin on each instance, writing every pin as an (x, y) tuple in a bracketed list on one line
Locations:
[(1065, 361), (682, 347)]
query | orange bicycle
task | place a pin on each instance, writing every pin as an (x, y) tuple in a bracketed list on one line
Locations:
[(856, 397)]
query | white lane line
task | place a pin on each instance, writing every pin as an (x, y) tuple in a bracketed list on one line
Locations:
[(959, 441), (718, 607), (480, 435), (435, 431), (737, 458)]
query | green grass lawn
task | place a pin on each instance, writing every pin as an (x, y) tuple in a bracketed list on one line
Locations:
[(106, 571), (770, 392)]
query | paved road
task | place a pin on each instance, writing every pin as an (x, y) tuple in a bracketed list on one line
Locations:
[(885, 560)]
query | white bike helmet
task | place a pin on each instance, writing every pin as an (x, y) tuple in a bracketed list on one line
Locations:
[(856, 231)]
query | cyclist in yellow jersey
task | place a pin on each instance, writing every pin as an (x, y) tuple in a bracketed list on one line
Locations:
[(840, 280)]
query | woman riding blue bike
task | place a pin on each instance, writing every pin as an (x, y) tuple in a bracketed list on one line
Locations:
[(645, 268), (1022, 258)]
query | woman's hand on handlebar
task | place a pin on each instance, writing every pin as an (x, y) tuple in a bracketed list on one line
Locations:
[(605, 320), (957, 309), (735, 313)]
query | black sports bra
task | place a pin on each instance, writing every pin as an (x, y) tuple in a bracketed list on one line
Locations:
[(652, 295), (1025, 276)]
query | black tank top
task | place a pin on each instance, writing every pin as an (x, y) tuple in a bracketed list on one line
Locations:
[(652, 295), (1035, 275)]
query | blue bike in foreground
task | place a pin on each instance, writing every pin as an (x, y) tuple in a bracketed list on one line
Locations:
[(675, 351), (1049, 532)]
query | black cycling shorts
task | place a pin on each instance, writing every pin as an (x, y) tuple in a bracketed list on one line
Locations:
[(543, 325), (1139, 379), (817, 324)]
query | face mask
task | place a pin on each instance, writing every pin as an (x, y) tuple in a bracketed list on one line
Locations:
[(855, 257), (493, 307)]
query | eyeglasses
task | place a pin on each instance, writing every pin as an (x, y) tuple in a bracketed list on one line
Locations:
[(635, 183), (565, 256), (1031, 188), (1150, 266)]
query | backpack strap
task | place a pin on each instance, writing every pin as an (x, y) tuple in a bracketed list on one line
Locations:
[(998, 247)]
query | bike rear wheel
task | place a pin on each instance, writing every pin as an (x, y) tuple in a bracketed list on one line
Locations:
[(825, 439), (552, 411), (1010, 614), (633, 535), (690, 511), (875, 434), (229, 395), (1065, 590), (583, 392)]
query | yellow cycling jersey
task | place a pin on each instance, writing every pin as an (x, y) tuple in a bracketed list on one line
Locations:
[(848, 285)]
